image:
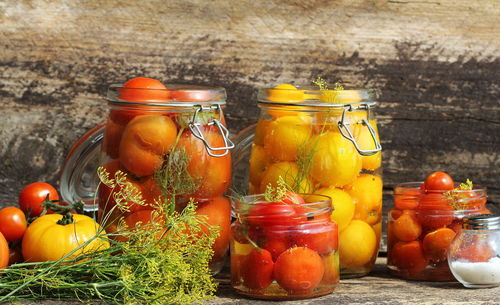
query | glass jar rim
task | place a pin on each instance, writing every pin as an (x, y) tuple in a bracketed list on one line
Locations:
[(308, 96), (417, 184), (311, 209), (177, 95)]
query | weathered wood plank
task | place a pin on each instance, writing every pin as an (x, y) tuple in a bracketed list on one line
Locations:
[(436, 64)]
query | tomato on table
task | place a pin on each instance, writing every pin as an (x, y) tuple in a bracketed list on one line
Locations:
[(33, 195), (12, 223)]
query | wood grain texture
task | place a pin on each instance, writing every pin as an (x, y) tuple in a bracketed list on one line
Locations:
[(436, 65)]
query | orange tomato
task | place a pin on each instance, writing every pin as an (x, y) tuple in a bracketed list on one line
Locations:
[(143, 89), (436, 243), (145, 139), (218, 213), (408, 256), (407, 227), (257, 269), (299, 270), (211, 174), (4, 252), (406, 199), (112, 137), (321, 237), (258, 164), (434, 211), (287, 137)]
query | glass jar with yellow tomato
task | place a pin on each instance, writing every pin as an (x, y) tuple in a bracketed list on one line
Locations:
[(325, 142)]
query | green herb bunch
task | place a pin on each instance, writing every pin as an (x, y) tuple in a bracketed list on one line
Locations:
[(162, 262)]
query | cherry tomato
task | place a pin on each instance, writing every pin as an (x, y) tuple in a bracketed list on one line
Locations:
[(439, 181), (257, 269), (143, 89), (408, 256), (407, 227), (319, 236), (272, 214), (274, 239), (33, 195), (434, 211), (299, 270), (4, 252), (292, 198), (12, 223), (436, 244)]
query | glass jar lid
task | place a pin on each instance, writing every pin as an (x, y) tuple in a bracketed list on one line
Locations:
[(177, 95), (314, 97), (481, 222)]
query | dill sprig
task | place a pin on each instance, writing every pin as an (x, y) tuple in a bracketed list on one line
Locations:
[(327, 95), (276, 194), (162, 262), (457, 199)]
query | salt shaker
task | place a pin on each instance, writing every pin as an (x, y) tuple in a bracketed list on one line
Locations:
[(474, 254)]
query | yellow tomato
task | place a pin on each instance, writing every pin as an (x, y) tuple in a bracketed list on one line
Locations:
[(365, 141), (260, 131), (258, 164), (286, 137), (332, 266), (289, 172), (343, 205), (336, 161), (46, 240), (357, 244), (366, 191), (285, 93)]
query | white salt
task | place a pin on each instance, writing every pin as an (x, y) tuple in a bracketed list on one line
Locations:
[(478, 273)]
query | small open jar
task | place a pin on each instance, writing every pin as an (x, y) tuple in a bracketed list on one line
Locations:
[(474, 254), (422, 225), (284, 251)]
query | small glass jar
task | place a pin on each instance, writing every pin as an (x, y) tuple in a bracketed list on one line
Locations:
[(474, 254), (421, 226), (284, 251), (325, 142)]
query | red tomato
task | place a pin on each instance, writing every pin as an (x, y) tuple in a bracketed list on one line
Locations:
[(272, 214), (33, 195), (192, 95), (143, 89), (292, 198), (439, 181), (321, 237), (299, 270), (257, 269), (12, 223), (4, 252), (274, 239), (434, 211)]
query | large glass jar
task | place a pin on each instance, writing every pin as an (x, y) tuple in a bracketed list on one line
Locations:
[(173, 146), (284, 250), (325, 142), (474, 254), (422, 225)]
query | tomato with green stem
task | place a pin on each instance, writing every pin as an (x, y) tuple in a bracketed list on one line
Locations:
[(13, 223), (33, 195)]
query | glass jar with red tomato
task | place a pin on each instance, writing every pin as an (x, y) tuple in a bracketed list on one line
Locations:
[(423, 223), (324, 142), (172, 145), (284, 249)]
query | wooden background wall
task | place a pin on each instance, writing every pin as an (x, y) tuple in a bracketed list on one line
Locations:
[(436, 64)]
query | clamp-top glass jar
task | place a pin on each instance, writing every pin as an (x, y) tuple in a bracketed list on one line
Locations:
[(171, 143), (325, 142)]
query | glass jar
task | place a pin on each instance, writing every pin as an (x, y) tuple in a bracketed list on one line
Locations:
[(324, 142), (474, 254), (284, 251), (173, 146), (422, 225)]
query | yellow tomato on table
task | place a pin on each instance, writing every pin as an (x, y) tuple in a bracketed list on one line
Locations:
[(47, 240)]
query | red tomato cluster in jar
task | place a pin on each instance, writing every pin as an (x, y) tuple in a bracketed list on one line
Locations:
[(284, 249), (425, 219), (139, 140)]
